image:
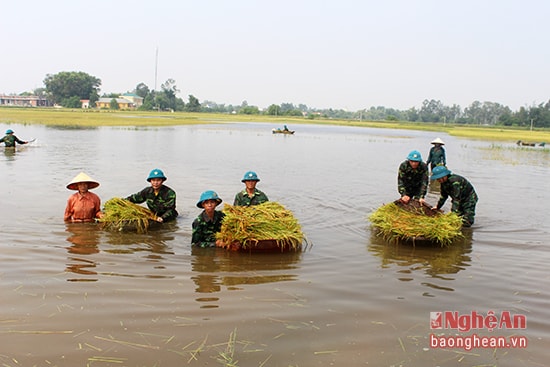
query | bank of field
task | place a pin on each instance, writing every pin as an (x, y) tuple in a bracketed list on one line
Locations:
[(94, 118)]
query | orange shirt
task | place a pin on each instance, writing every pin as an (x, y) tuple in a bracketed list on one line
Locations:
[(82, 208)]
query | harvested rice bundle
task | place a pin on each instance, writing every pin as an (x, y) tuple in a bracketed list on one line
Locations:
[(247, 225), (119, 214), (409, 222)]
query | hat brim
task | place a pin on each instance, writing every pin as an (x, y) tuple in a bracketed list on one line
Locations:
[(250, 179), (199, 204), (91, 185)]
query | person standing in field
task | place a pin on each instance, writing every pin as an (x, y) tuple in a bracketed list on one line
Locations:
[(82, 206), (250, 195), (463, 195), (437, 154), (10, 139), (160, 199), (412, 178), (209, 221)]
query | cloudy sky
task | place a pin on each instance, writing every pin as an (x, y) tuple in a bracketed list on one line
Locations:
[(342, 54)]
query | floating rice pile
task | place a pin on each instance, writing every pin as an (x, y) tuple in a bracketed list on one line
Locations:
[(415, 222), (119, 214), (268, 221)]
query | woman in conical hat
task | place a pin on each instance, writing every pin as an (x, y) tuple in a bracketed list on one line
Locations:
[(82, 206), (437, 154)]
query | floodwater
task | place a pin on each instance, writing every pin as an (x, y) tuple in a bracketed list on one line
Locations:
[(75, 295)]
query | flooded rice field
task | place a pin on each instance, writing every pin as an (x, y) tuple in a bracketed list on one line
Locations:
[(76, 295)]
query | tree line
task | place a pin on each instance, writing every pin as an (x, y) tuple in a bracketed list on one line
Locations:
[(68, 88)]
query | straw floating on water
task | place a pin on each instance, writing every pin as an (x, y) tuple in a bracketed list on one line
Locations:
[(119, 213), (399, 222), (268, 221)]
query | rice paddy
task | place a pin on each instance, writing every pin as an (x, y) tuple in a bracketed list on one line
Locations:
[(412, 222), (119, 214), (247, 225)]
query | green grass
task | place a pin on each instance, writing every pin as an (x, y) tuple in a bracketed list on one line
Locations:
[(95, 118)]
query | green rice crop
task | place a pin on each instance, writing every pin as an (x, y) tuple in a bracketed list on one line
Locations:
[(397, 223)]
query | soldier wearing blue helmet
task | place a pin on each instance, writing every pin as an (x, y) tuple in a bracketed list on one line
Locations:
[(412, 178), (462, 193), (250, 195), (10, 139), (209, 221), (160, 199)]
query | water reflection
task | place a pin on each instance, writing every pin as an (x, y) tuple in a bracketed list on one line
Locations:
[(214, 267), (431, 259), (84, 239), (153, 242)]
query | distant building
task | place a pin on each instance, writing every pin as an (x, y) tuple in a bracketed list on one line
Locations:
[(123, 103), (85, 103), (24, 101), (136, 100)]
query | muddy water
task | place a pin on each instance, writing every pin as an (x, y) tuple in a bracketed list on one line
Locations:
[(74, 295)]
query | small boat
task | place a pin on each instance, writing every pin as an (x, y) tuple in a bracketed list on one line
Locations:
[(525, 143), (281, 131)]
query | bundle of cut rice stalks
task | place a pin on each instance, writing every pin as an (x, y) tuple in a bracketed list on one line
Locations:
[(120, 214), (413, 221), (265, 227)]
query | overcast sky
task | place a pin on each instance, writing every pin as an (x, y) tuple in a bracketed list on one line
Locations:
[(342, 54)]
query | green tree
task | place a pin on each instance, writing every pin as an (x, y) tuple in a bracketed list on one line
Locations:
[(66, 84), (114, 104), (193, 104), (274, 110), (72, 102), (142, 90)]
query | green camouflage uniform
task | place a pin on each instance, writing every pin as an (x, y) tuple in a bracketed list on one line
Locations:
[(9, 140), (204, 229), (163, 204), (412, 182), (463, 196), (436, 157), (242, 198)]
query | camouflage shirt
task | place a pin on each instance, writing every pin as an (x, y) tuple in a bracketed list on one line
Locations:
[(163, 204), (9, 140), (204, 229), (412, 182), (461, 192), (437, 157), (242, 198)]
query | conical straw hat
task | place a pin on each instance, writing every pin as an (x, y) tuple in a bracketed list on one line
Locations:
[(438, 141), (82, 177)]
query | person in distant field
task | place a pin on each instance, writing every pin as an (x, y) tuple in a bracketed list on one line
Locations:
[(412, 178), (160, 199), (250, 195), (82, 206), (209, 221), (437, 154), (10, 139), (463, 195)]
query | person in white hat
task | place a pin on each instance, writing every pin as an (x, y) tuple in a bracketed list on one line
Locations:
[(437, 154), (82, 206)]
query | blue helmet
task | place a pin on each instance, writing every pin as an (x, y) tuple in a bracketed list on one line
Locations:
[(156, 173), (250, 176), (415, 156), (439, 172), (9, 131), (209, 195)]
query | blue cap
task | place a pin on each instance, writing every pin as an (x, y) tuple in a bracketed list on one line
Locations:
[(156, 173), (439, 172), (415, 156), (9, 131), (209, 195), (250, 176)]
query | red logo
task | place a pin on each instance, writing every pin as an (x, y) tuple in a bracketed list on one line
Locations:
[(436, 320)]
